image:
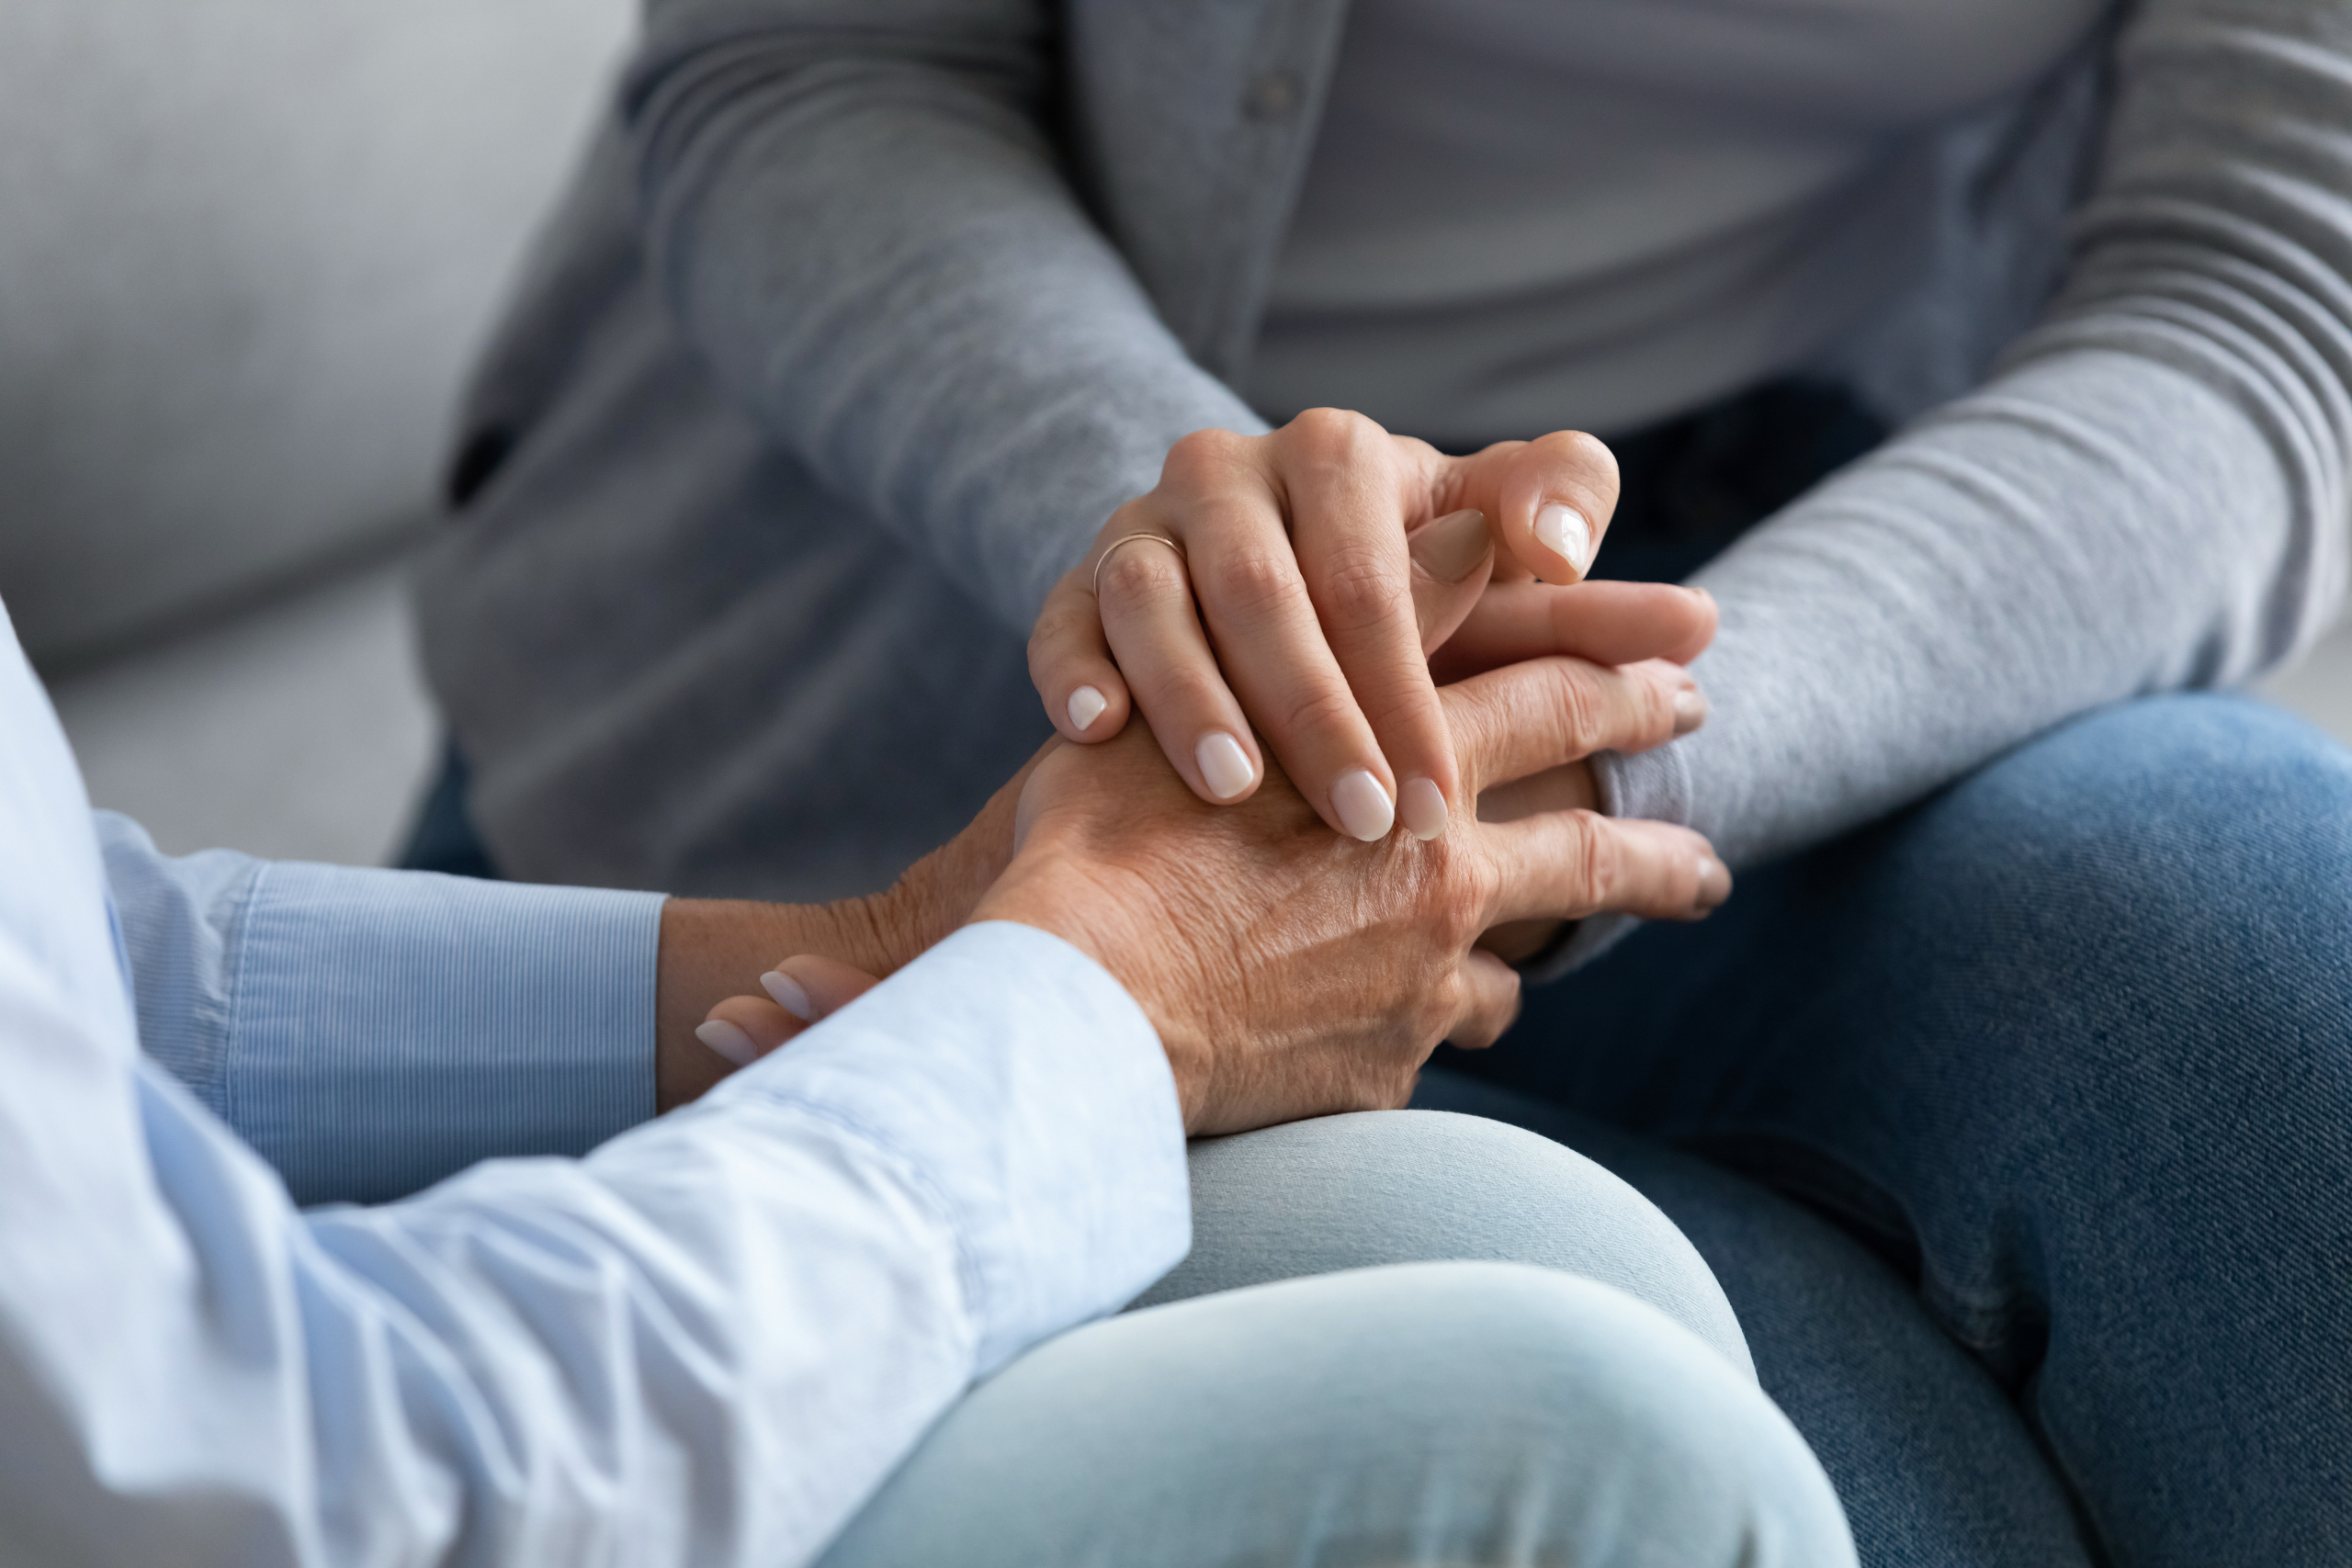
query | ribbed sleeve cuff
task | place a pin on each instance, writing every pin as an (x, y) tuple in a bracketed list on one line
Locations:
[(1028, 1094), (387, 1028), (1655, 784)]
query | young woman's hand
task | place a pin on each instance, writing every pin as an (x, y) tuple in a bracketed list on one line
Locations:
[(1289, 974), (1316, 555)]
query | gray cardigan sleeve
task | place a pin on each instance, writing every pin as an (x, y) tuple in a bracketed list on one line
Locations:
[(2149, 493), (853, 210)]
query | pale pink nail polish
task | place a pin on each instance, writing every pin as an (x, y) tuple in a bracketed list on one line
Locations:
[(1362, 807), (789, 994), (727, 1040), (1563, 532), (1421, 806), (1225, 766)]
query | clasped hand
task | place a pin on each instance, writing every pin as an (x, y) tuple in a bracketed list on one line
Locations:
[(1291, 972), (1325, 577)]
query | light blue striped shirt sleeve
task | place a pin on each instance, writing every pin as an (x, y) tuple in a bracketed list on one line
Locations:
[(706, 1342), (369, 1032)]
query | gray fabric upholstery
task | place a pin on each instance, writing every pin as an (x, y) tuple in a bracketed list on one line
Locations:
[(250, 247)]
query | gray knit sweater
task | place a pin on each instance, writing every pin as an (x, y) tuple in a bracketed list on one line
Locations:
[(862, 315)]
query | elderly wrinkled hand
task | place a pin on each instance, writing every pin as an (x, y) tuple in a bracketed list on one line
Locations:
[(1290, 972)]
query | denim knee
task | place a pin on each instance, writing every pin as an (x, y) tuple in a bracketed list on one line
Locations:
[(1593, 1379), (1419, 1185), (1426, 1414), (2172, 876)]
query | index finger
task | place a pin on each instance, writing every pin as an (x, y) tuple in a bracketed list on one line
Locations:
[(1609, 623)]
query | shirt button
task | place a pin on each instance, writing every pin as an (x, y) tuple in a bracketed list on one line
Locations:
[(1273, 94)]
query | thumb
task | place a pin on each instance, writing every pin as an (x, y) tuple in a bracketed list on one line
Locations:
[(1452, 557)]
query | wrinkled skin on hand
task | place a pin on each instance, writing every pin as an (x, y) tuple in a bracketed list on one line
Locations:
[(1479, 628), (1291, 972)]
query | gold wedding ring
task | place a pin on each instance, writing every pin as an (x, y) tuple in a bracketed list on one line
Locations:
[(1129, 539)]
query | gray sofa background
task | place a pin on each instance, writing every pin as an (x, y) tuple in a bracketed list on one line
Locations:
[(250, 247)]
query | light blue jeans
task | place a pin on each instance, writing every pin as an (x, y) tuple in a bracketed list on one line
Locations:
[(1570, 1388), (2040, 1096)]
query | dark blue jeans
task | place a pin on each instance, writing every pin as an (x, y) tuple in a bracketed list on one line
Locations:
[(2062, 1056)]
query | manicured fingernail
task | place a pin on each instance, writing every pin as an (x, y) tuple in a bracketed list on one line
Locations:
[(1362, 806), (1715, 882), (728, 1041), (1563, 530), (1690, 709), (1225, 766), (1422, 805), (1086, 706), (788, 994), (1450, 547)]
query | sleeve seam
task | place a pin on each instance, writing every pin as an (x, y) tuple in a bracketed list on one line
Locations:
[(234, 952)]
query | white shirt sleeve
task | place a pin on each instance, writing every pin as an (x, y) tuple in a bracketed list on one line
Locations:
[(708, 1341)]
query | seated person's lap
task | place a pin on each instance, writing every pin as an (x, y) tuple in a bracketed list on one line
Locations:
[(1432, 1413), (1380, 1187), (1441, 1411), (1931, 1462), (2015, 1039)]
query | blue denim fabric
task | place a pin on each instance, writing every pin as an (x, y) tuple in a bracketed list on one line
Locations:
[(2068, 1048), (1553, 1380), (1442, 1415)]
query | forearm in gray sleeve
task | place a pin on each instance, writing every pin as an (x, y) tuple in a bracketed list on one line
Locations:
[(855, 213), (2150, 494)]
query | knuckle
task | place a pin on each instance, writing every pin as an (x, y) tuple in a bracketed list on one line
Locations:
[(1358, 588), (1600, 871), (1043, 657), (1067, 614), (1317, 708), (1471, 911), (1044, 639), (1331, 433), (1337, 450), (1141, 571), (1464, 899), (1251, 579), (1581, 714), (1198, 460), (1470, 720), (1181, 690), (1653, 705), (1064, 638)]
